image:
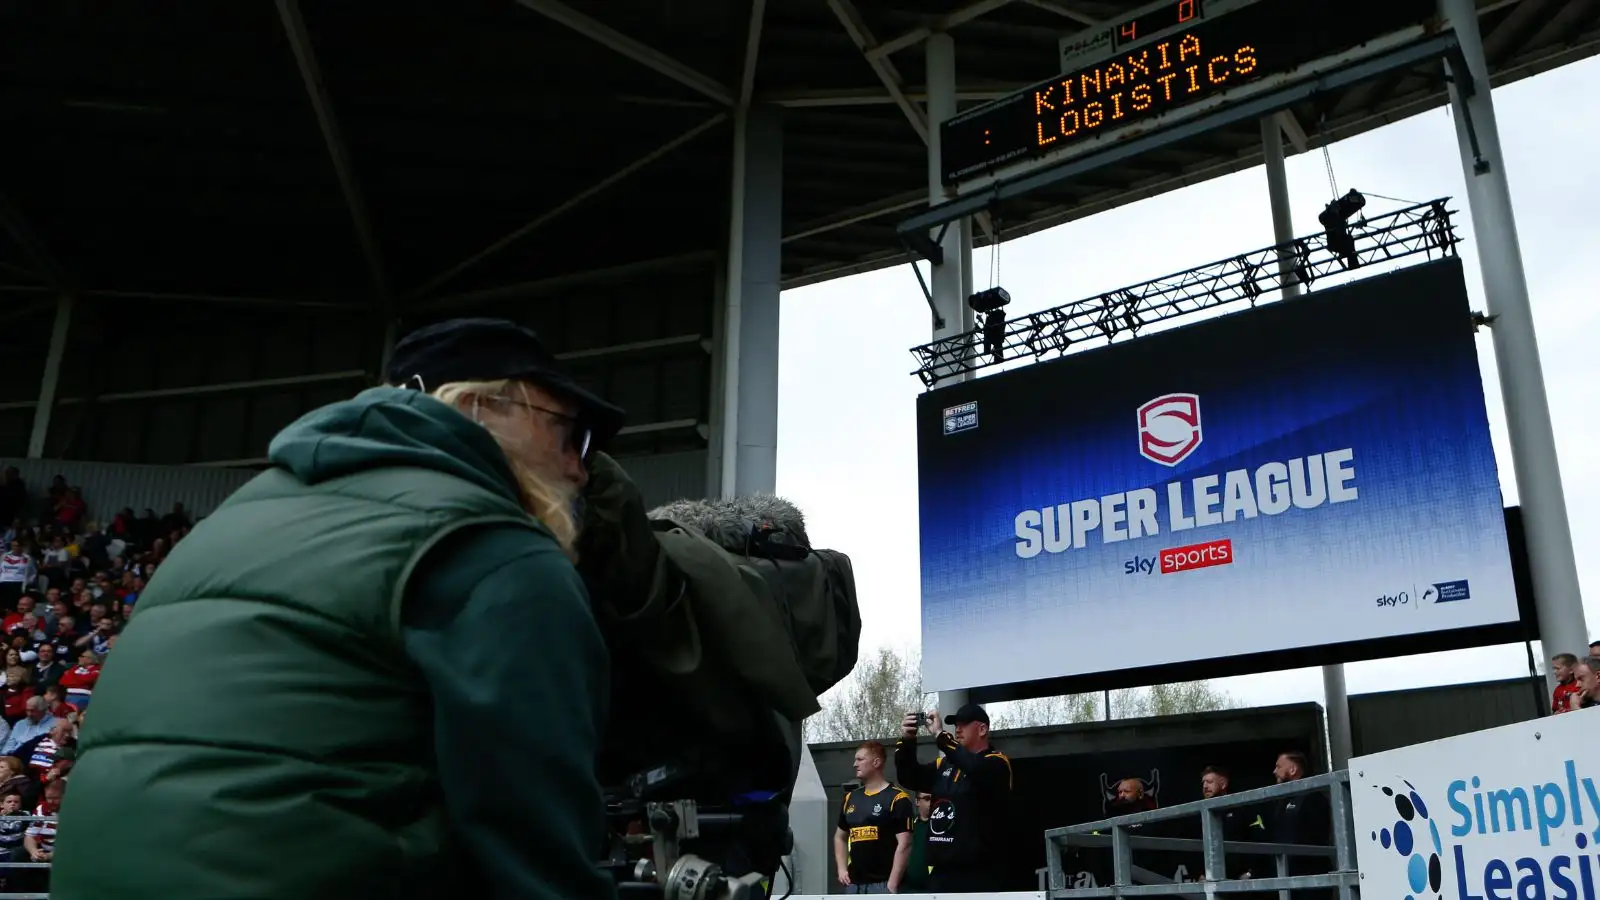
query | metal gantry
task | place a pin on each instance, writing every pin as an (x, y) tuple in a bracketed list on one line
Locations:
[(1130, 880), (1423, 231)]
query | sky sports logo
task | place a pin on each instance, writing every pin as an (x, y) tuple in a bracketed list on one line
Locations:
[(1182, 559)]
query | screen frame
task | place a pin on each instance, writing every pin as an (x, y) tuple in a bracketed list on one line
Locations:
[(1522, 628)]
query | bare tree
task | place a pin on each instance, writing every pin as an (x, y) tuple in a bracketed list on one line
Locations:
[(871, 702), (885, 686), (1067, 710)]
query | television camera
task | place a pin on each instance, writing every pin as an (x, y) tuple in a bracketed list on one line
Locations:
[(725, 617), (665, 848)]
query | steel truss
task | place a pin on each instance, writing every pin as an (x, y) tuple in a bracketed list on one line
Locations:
[(1426, 230)]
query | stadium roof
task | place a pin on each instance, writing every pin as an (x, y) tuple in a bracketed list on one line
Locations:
[(242, 194), (182, 153)]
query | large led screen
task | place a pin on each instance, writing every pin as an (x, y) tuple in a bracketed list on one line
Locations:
[(1314, 472)]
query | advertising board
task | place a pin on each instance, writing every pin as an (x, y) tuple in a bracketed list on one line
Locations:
[(1511, 812), (1312, 472)]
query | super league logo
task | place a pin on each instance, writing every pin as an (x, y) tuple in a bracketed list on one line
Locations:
[(1169, 428)]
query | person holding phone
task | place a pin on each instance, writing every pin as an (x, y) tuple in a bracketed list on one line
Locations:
[(970, 784)]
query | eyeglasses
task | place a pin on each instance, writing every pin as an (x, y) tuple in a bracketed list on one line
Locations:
[(578, 436)]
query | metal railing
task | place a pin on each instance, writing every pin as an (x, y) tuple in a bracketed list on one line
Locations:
[(7, 866), (1425, 231), (1129, 880)]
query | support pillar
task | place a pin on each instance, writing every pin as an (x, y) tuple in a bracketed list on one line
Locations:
[(1558, 600), (749, 339), (52, 377), (952, 279), (1336, 700)]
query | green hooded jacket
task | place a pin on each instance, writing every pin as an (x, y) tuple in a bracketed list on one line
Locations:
[(368, 674)]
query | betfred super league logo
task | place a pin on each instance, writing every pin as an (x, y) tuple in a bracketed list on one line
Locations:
[(1169, 428)]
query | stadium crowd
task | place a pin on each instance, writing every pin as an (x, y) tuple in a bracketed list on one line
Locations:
[(1577, 681), (67, 586)]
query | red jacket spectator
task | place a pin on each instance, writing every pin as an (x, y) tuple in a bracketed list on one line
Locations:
[(15, 702), (79, 682), (1566, 697), (70, 508)]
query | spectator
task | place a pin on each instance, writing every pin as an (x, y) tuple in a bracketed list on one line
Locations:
[(47, 670), (872, 839), (11, 829), (917, 871), (1588, 678), (13, 495), (1300, 819), (70, 509), (55, 745), (80, 680), (25, 605), (1561, 700), (55, 702), (40, 838), (177, 520), (67, 636), (17, 572), (968, 859), (34, 725), (13, 777), (16, 695), (95, 547), (53, 563)]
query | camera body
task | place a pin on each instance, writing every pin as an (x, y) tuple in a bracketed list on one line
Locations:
[(665, 846)]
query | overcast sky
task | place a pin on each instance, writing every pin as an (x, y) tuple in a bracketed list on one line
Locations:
[(846, 446)]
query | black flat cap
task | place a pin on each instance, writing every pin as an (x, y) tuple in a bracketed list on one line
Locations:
[(490, 350)]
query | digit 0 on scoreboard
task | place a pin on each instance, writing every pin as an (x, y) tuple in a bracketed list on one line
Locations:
[(1191, 57), (1156, 21)]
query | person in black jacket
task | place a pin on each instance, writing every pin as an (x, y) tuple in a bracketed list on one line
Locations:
[(971, 783), (1301, 819)]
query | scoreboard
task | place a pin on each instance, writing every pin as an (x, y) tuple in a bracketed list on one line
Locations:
[(1170, 57)]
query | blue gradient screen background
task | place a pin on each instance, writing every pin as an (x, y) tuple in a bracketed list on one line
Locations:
[(1385, 367)]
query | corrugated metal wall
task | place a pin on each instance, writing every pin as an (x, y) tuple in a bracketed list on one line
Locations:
[(665, 477), (108, 487), (1393, 719)]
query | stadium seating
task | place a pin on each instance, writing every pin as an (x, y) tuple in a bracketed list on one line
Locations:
[(68, 584)]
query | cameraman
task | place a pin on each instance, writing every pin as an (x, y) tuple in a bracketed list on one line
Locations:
[(971, 784)]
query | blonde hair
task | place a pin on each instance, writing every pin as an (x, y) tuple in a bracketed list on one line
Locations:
[(542, 498)]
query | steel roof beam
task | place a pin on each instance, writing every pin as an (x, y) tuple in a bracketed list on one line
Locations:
[(942, 23), (862, 37), (1064, 11), (16, 225), (1293, 131), (305, 57), (574, 201), (177, 297), (640, 53), (752, 52), (869, 97), (545, 286)]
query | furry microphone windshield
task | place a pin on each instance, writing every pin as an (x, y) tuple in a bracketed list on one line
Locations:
[(731, 523)]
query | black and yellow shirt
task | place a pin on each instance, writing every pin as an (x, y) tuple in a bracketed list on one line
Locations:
[(872, 824)]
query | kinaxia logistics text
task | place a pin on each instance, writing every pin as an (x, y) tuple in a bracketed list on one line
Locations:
[(1272, 489)]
